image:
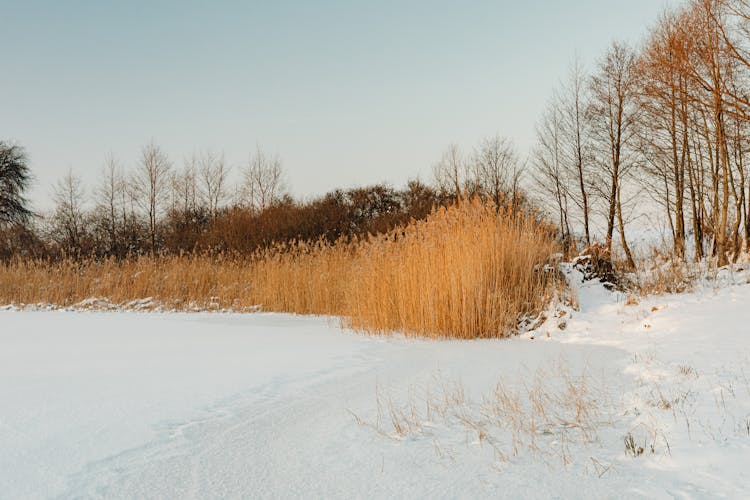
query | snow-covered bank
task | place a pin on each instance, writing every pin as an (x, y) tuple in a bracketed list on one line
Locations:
[(135, 405)]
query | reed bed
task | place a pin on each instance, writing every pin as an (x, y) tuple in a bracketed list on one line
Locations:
[(467, 271)]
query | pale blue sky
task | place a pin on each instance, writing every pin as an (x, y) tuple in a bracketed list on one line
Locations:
[(346, 92)]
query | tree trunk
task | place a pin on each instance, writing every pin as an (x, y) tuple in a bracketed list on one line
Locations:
[(625, 247)]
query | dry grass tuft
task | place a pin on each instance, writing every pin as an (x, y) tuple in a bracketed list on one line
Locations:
[(541, 415), (467, 271), (661, 273)]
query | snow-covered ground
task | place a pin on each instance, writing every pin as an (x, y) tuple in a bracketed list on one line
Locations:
[(646, 400)]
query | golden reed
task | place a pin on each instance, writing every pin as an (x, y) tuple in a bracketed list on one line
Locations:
[(467, 271)]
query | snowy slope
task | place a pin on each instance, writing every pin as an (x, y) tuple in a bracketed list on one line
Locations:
[(152, 405)]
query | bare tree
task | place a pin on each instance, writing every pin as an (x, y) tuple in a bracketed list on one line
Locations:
[(109, 197), (185, 189), (731, 18), (576, 138), (264, 180), (451, 173), (150, 184), (563, 154), (213, 178), (550, 175), (67, 220), (496, 169), (712, 72), (613, 109)]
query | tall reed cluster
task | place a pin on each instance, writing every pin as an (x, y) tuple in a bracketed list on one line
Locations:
[(467, 271)]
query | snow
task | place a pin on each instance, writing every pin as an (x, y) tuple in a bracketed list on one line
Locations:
[(206, 405)]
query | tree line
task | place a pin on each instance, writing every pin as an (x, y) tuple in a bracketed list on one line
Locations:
[(666, 123), (157, 207)]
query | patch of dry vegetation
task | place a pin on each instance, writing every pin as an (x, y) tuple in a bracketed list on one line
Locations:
[(467, 271), (660, 271), (543, 414)]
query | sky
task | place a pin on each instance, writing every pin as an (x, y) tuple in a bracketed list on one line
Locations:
[(345, 92)]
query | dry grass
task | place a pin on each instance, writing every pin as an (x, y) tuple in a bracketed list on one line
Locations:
[(467, 271), (661, 272), (542, 414)]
